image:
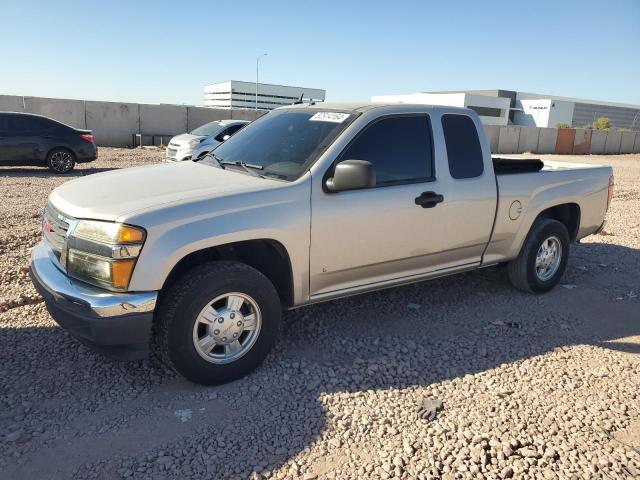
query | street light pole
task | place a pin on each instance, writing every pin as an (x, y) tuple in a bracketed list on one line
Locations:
[(257, 66)]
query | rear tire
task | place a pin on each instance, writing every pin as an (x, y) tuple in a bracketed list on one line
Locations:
[(543, 257), (218, 322), (61, 160)]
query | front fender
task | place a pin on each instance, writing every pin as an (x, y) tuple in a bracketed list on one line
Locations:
[(174, 232)]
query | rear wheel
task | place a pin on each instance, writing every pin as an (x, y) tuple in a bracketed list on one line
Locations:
[(543, 258), (218, 322), (61, 160)]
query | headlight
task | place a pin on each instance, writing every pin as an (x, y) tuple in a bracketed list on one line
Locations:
[(104, 253)]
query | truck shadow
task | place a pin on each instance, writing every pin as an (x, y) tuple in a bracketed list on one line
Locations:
[(405, 340)]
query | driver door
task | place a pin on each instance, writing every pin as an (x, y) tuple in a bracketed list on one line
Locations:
[(380, 234)]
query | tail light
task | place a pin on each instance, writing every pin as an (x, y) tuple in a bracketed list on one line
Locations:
[(610, 192), (87, 137)]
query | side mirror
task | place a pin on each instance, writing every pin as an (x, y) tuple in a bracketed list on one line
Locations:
[(352, 175), (226, 137)]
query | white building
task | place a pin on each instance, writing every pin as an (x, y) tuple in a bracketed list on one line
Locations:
[(535, 109), (492, 110), (504, 107), (235, 94)]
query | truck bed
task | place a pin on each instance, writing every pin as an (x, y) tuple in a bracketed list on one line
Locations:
[(527, 187)]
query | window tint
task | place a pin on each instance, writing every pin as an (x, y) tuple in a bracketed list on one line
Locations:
[(398, 147), (20, 123), (234, 129), (228, 131), (463, 146)]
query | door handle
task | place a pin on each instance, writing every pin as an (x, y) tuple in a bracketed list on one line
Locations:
[(429, 199)]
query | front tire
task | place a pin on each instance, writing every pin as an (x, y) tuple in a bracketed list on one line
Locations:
[(218, 322), (543, 258)]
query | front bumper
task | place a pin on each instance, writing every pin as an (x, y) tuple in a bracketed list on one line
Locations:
[(173, 154), (117, 324)]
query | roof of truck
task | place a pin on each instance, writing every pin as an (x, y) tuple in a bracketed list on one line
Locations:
[(364, 106)]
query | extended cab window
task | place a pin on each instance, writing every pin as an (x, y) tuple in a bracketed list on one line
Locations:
[(463, 146), (398, 147)]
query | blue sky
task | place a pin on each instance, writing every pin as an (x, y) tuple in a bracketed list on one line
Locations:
[(164, 52)]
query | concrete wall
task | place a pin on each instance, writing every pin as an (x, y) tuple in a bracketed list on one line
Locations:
[(493, 135), (547, 140), (114, 124), (163, 119), (528, 139), (508, 139), (11, 103), (582, 142), (612, 143), (70, 112), (626, 142), (598, 140)]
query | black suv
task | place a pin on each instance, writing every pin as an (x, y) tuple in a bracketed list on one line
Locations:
[(27, 139)]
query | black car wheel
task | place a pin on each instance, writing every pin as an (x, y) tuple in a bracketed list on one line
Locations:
[(61, 160)]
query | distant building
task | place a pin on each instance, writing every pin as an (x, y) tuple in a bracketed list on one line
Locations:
[(492, 110), (235, 94), (504, 107)]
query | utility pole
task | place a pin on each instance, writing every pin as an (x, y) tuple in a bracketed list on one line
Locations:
[(257, 73)]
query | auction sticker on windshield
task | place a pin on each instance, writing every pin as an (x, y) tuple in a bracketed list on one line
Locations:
[(334, 117)]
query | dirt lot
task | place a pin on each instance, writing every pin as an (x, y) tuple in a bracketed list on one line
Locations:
[(532, 386)]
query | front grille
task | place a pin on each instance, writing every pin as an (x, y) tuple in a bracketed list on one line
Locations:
[(54, 230), (171, 152)]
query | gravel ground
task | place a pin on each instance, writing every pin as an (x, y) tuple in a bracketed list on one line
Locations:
[(532, 386)]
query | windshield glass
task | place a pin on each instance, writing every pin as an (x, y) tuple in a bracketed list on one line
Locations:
[(207, 129), (283, 143)]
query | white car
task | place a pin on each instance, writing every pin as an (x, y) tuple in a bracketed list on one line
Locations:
[(202, 140)]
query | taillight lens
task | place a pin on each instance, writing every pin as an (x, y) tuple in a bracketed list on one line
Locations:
[(610, 192), (87, 137)]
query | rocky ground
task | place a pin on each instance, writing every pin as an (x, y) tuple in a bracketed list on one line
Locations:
[(532, 386)]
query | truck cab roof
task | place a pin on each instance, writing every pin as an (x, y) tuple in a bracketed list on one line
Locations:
[(388, 107)]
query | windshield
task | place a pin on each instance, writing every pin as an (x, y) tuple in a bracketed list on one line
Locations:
[(207, 129), (283, 143)]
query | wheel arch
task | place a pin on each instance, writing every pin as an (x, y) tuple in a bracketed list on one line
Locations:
[(266, 255), (566, 213), (60, 147)]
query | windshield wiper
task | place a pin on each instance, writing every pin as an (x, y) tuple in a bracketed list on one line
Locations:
[(247, 167), (216, 159)]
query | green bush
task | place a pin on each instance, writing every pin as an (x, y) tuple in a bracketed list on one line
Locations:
[(563, 125), (602, 123)]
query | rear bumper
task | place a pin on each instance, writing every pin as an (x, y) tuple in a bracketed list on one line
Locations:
[(87, 154), (117, 324)]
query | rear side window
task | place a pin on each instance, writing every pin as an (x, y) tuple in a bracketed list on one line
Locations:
[(463, 146), (20, 123), (398, 147)]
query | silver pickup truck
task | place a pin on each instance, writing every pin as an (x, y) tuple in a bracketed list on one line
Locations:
[(308, 203)]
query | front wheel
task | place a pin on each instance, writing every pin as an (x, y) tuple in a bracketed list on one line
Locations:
[(543, 258), (61, 160), (218, 322)]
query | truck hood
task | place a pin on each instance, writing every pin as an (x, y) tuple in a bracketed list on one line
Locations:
[(111, 195)]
